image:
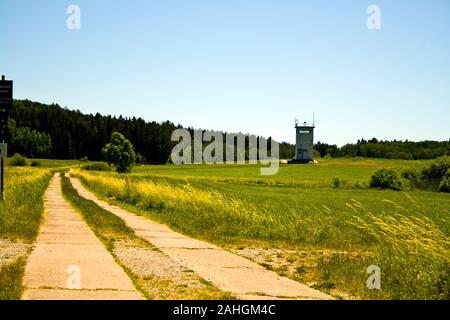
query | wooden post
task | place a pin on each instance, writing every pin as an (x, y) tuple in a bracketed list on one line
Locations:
[(2, 166), (2, 174), (4, 110)]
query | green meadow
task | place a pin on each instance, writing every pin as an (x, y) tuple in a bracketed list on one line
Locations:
[(327, 235)]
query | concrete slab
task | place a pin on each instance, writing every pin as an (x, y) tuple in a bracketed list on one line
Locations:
[(65, 294), (67, 250)]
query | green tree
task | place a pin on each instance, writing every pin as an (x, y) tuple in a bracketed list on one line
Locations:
[(119, 152), (29, 142)]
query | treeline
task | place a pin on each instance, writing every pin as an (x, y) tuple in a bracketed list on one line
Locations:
[(395, 149), (49, 131), (76, 135), (28, 142), (232, 146)]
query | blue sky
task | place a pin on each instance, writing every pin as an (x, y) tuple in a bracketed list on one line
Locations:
[(249, 65)]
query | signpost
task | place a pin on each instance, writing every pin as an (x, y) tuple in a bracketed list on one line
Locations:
[(6, 97)]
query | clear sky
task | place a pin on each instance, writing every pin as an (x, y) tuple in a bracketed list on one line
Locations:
[(240, 65)]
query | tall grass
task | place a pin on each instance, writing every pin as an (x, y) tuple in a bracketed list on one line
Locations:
[(21, 209), (212, 215), (213, 211), (413, 252), (20, 216), (203, 213)]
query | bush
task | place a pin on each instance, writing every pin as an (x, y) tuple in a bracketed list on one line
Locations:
[(97, 166), (17, 160), (444, 186), (84, 159), (412, 177), (35, 163), (339, 183), (386, 179), (436, 170)]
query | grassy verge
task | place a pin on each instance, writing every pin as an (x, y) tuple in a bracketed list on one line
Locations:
[(11, 279), (121, 241), (20, 217), (21, 210)]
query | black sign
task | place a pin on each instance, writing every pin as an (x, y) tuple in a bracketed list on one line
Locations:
[(6, 95)]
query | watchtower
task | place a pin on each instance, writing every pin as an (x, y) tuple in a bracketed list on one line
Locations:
[(304, 142)]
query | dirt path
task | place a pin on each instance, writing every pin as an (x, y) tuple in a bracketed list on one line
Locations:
[(68, 261), (229, 272)]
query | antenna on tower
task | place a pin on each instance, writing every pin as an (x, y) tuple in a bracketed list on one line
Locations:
[(296, 122)]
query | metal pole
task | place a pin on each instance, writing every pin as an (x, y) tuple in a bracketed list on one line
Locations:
[(2, 174)]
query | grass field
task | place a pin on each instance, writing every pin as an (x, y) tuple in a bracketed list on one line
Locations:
[(354, 170), (49, 163), (301, 226)]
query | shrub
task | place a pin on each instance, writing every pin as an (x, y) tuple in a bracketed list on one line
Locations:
[(35, 163), (411, 176), (444, 186), (84, 159), (436, 170), (386, 179), (96, 166), (339, 183), (17, 160)]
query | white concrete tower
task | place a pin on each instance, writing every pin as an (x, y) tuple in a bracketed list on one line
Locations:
[(304, 142)]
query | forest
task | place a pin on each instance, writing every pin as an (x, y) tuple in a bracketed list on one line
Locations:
[(374, 148), (76, 135), (39, 130)]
